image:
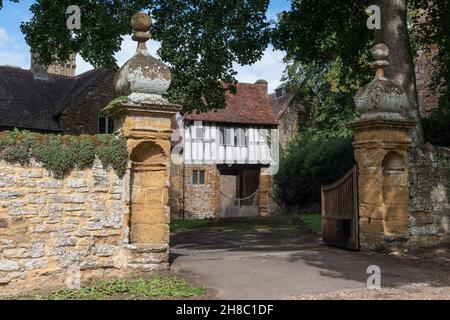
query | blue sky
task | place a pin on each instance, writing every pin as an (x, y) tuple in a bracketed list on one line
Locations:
[(15, 51)]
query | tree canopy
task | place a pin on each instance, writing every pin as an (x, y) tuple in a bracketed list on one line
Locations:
[(331, 37), (201, 39)]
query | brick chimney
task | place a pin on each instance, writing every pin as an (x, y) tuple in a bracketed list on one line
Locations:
[(62, 69), (263, 83)]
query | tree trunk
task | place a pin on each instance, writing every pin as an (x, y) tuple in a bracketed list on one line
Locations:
[(394, 33)]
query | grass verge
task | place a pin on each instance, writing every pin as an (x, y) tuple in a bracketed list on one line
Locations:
[(263, 224), (313, 221), (155, 287)]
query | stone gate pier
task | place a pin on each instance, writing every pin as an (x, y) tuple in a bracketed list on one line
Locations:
[(391, 194), (92, 223), (145, 120)]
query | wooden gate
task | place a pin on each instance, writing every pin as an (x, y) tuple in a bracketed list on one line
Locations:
[(340, 223)]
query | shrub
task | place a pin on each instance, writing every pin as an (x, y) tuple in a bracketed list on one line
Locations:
[(436, 128), (60, 154), (112, 152), (309, 164)]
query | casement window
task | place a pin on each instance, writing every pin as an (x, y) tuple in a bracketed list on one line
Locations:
[(233, 137), (198, 133), (241, 137), (105, 125), (198, 177), (226, 136)]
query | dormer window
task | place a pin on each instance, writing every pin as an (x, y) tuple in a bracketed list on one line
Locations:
[(278, 93)]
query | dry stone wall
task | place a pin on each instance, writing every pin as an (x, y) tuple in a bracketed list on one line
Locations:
[(429, 195), (52, 230)]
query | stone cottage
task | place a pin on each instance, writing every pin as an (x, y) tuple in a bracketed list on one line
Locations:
[(226, 158), (54, 100), (290, 112)]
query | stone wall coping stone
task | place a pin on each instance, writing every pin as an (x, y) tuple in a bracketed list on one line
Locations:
[(148, 248), (380, 123)]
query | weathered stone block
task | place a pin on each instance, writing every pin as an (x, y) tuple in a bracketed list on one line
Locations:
[(143, 233), (35, 251), (32, 264), (395, 195), (8, 195), (8, 265), (395, 226), (76, 183), (65, 242), (22, 211), (371, 195), (3, 223), (7, 180), (57, 198), (428, 230), (149, 215), (106, 250), (371, 211), (100, 179), (396, 211), (369, 226)]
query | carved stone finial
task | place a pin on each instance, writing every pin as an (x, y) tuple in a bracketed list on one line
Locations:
[(141, 24), (380, 53), (381, 99), (143, 74)]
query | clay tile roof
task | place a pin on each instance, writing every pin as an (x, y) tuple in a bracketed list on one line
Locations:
[(279, 105), (250, 105)]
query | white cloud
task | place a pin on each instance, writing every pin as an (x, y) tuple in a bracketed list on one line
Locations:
[(5, 39), (129, 48), (82, 65), (10, 53), (126, 52), (269, 68)]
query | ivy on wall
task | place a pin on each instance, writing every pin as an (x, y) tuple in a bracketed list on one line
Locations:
[(61, 153)]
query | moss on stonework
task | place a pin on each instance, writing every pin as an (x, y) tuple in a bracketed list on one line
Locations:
[(60, 154), (110, 108)]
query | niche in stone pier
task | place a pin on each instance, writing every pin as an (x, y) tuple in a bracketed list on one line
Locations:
[(148, 217), (148, 152), (395, 195)]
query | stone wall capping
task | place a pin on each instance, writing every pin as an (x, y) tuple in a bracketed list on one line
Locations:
[(139, 109), (148, 248), (380, 122)]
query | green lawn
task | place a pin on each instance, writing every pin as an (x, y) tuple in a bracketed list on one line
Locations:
[(153, 287), (313, 221), (263, 224), (186, 225)]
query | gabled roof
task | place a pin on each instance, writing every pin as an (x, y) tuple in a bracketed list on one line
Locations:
[(250, 105), (279, 105), (30, 103)]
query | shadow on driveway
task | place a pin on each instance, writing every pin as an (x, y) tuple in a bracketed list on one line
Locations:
[(272, 265)]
